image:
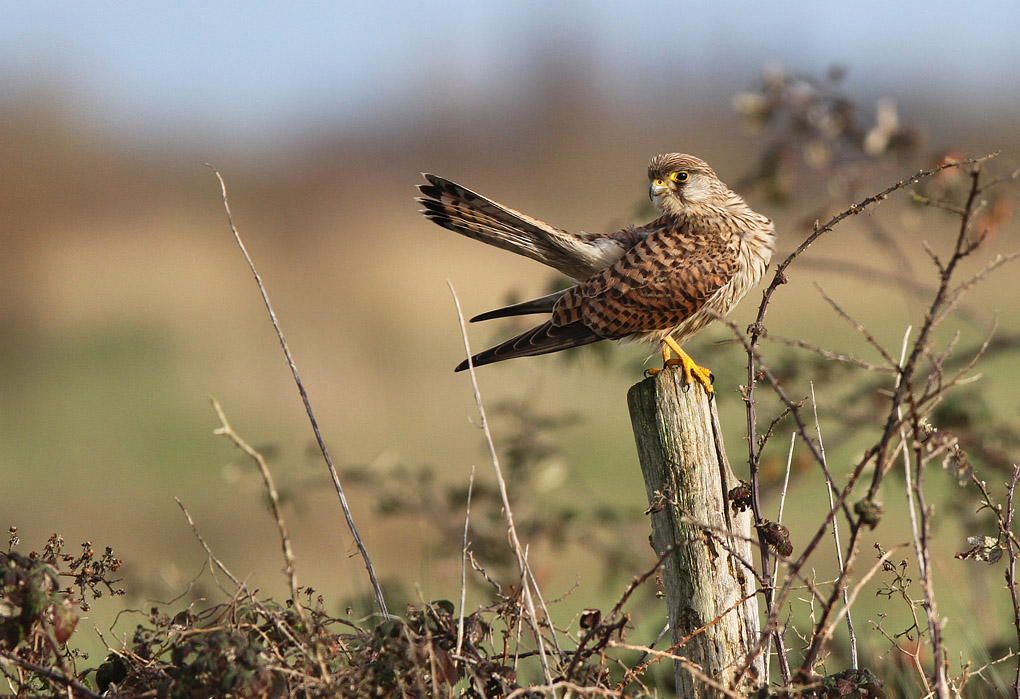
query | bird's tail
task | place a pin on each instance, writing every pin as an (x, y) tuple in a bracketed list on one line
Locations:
[(459, 209)]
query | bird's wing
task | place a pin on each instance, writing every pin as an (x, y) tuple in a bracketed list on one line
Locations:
[(468, 213), (543, 339), (660, 282), (543, 304)]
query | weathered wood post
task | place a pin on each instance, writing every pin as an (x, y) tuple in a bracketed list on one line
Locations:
[(687, 477)]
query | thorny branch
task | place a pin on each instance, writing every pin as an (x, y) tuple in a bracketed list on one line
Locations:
[(1012, 550), (989, 549), (963, 246), (945, 298)]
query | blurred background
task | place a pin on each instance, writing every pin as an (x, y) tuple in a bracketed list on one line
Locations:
[(125, 304)]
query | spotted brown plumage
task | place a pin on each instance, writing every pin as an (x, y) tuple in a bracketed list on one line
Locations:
[(663, 281)]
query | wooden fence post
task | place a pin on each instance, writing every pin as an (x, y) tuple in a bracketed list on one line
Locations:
[(687, 477)]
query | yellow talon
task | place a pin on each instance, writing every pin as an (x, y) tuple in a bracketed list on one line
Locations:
[(691, 370)]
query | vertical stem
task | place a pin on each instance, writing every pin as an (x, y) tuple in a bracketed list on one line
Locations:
[(771, 614), (927, 584), (308, 407), (831, 490), (528, 587), (1011, 551), (463, 561)]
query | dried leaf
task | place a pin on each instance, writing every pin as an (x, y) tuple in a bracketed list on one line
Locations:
[(982, 548)]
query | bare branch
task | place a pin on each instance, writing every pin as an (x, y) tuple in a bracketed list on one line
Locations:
[(527, 584), (830, 489), (828, 354), (463, 561), (274, 501), (858, 327), (307, 403), (70, 683), (1012, 551)]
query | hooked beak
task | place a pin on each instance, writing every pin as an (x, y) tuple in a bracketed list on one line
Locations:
[(657, 187)]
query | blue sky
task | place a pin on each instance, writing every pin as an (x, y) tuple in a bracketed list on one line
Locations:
[(249, 67)]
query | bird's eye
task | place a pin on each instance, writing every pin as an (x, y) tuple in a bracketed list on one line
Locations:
[(679, 176)]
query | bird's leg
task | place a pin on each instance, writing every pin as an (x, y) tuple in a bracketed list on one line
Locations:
[(691, 369)]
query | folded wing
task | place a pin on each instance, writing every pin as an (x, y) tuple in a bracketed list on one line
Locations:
[(544, 339)]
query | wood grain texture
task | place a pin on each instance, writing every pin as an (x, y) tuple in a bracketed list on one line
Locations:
[(682, 458)]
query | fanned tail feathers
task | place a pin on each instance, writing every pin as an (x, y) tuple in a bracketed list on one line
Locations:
[(460, 210)]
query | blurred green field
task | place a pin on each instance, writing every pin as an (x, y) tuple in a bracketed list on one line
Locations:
[(126, 305)]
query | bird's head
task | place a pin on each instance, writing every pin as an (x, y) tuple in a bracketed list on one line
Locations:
[(678, 181)]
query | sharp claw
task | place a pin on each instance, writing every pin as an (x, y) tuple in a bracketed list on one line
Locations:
[(692, 372)]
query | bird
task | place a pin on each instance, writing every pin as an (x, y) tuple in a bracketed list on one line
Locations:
[(662, 281)]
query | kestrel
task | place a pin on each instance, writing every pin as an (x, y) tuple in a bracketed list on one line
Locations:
[(662, 281)]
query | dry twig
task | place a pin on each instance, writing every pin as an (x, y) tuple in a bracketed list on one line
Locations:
[(527, 582), (308, 405)]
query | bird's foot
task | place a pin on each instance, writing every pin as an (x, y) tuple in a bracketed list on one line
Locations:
[(692, 371)]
